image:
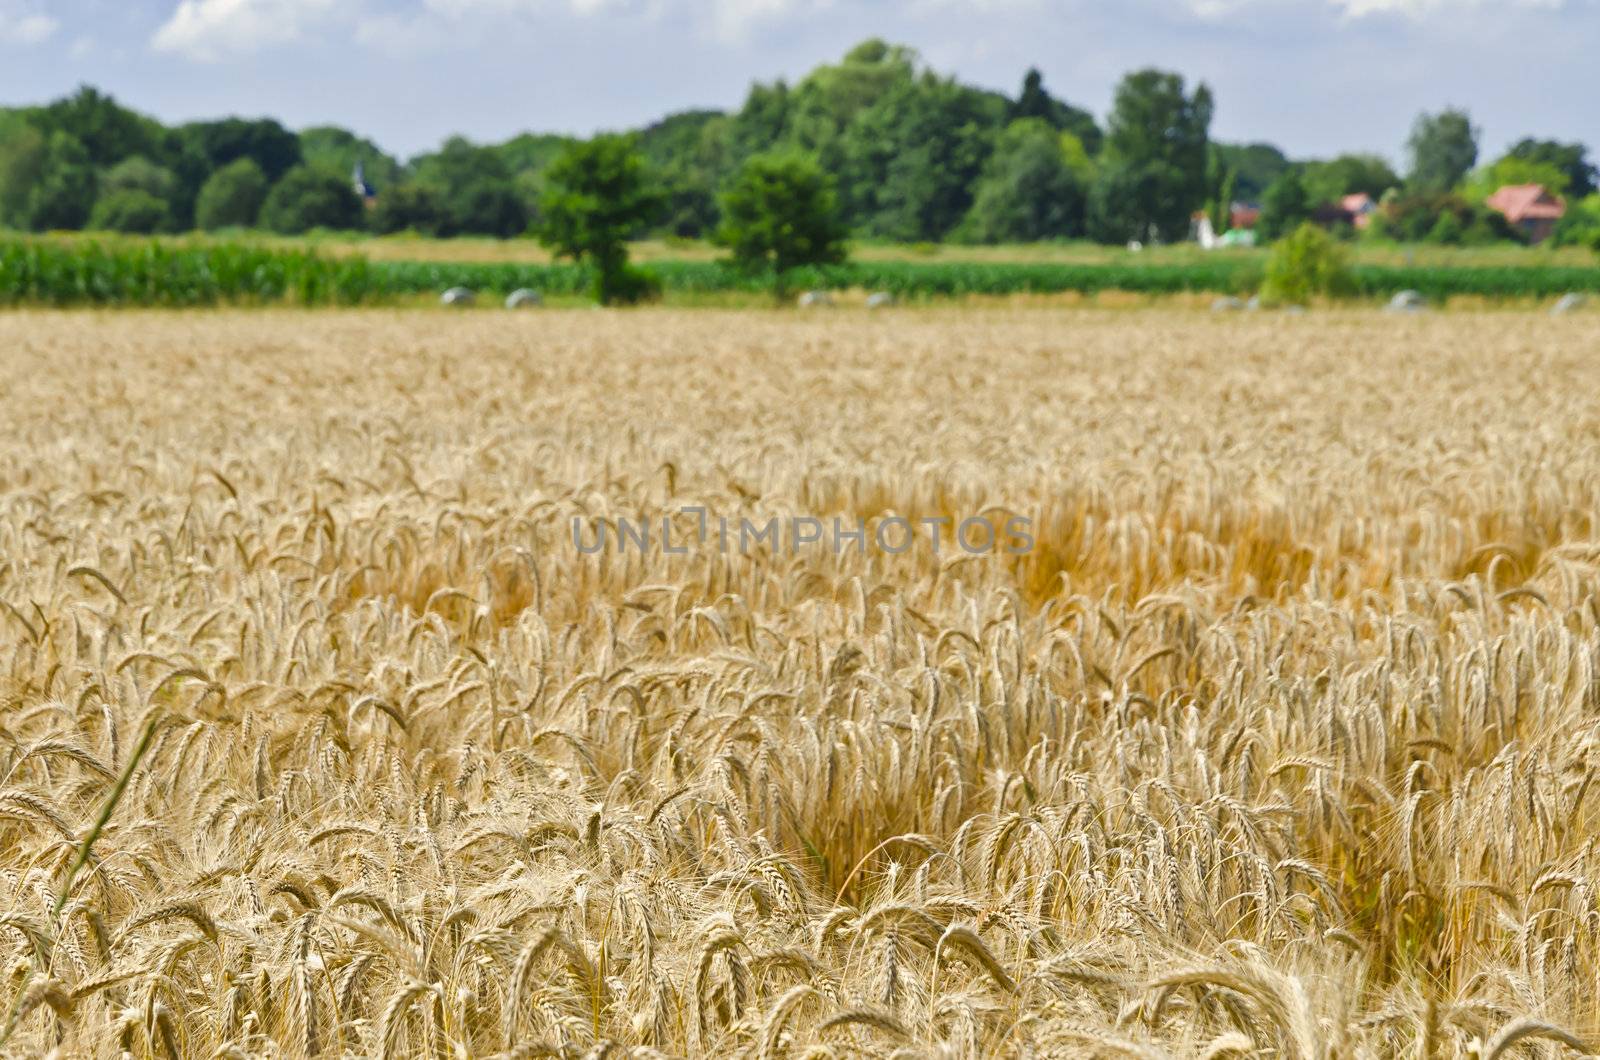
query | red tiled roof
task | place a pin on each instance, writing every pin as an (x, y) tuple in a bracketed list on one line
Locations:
[(1527, 202)]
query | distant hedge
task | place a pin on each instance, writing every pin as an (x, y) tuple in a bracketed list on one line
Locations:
[(65, 273)]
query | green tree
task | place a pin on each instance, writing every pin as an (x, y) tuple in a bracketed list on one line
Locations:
[(781, 212), (1583, 179), (1486, 180), (1029, 191), (911, 159), (138, 173), (66, 188), (1125, 197), (107, 131), (597, 196), (1255, 167), (1307, 264), (1157, 153), (337, 150), (308, 198), (687, 149), (489, 207), (232, 196), (1285, 207), (24, 153), (409, 208), (275, 149), (1035, 101), (1347, 174), (130, 210), (1444, 148)]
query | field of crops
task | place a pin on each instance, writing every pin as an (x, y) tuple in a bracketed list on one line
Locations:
[(131, 273), (321, 733)]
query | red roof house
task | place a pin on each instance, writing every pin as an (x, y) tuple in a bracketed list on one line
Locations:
[(1243, 215), (1360, 207), (1530, 208)]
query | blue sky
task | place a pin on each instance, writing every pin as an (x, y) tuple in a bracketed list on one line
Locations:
[(1314, 76)]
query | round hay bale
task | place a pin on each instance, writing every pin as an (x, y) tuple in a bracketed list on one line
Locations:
[(524, 298), (816, 300), (458, 296), (881, 300), (1570, 303), (1408, 302)]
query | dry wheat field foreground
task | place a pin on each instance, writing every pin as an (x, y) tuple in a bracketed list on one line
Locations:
[(320, 736)]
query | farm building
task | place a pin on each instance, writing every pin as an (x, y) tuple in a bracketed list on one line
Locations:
[(1360, 207), (1530, 208)]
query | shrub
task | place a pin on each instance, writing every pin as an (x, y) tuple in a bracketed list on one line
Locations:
[(1305, 265), (1447, 231), (130, 210), (308, 198), (232, 196), (627, 285)]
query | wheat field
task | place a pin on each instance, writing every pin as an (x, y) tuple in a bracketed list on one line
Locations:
[(320, 735)]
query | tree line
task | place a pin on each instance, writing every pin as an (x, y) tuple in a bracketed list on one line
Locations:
[(905, 154)]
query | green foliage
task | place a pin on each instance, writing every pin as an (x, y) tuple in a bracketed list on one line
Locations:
[(1143, 202), (64, 192), (36, 271), (597, 195), (1486, 180), (130, 210), (1029, 191), (1035, 101), (911, 153), (780, 213), (1447, 231), (1349, 174), (81, 272), (24, 152), (308, 198), (1158, 144), (688, 151), (489, 208), (1583, 179), (138, 173), (1581, 225), (1443, 148), (338, 151), (1285, 207), (409, 208), (477, 187), (232, 197), (911, 159), (272, 147), (1255, 167), (108, 131), (1305, 265), (1421, 218)]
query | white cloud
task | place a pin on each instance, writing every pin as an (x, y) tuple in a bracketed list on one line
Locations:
[(1358, 8), (729, 19), (1419, 8), (211, 29), (21, 25)]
